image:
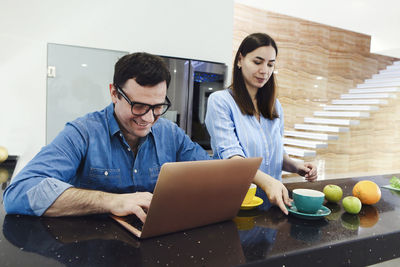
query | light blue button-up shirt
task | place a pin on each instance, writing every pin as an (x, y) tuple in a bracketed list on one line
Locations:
[(92, 153), (233, 133)]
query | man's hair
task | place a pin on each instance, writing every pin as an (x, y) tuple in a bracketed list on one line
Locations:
[(146, 69)]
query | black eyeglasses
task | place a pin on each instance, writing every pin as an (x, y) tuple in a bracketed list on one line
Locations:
[(139, 109)]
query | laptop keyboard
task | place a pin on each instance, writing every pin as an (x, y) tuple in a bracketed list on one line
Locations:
[(134, 221)]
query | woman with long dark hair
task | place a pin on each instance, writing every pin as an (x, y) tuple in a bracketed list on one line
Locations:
[(246, 120)]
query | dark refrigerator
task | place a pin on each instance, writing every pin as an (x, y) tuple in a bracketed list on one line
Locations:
[(192, 81)]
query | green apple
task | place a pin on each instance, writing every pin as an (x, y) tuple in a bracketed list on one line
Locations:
[(333, 193), (351, 204), (3, 154)]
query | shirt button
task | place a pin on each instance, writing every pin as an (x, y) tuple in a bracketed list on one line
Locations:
[(120, 134), (135, 171), (106, 173), (129, 149)]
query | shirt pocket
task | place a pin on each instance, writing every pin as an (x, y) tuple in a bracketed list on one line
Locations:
[(104, 179), (147, 179)]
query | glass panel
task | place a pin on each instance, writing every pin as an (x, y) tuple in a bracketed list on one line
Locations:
[(204, 84), (178, 91), (78, 83)]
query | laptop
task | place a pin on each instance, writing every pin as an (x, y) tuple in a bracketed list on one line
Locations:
[(194, 193)]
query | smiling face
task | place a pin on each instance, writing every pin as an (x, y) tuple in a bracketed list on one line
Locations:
[(257, 67), (134, 127)]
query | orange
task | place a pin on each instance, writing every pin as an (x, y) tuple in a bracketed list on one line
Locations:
[(367, 191)]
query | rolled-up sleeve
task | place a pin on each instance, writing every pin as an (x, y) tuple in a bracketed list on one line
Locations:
[(34, 189), (47, 191), (221, 127)]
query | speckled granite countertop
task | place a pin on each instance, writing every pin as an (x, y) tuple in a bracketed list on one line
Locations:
[(259, 237)]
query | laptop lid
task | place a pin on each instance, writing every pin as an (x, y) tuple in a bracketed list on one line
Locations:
[(195, 193)]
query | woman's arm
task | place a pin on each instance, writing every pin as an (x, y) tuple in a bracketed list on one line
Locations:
[(221, 126), (275, 190)]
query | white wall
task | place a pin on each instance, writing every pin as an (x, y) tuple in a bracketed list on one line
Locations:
[(181, 28), (378, 18)]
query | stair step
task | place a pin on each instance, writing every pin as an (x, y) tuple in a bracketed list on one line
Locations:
[(382, 80), (364, 96), (308, 135), (320, 128), (351, 107), (296, 159), (374, 85), (347, 114), (375, 90), (393, 74), (304, 143), (331, 121), (393, 67), (360, 101), (300, 152), (387, 71)]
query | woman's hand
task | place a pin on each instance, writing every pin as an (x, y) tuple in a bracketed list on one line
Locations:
[(308, 170), (277, 193)]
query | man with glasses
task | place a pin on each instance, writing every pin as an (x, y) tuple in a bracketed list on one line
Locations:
[(107, 161)]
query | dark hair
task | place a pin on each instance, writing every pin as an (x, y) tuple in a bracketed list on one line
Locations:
[(266, 95), (145, 68)]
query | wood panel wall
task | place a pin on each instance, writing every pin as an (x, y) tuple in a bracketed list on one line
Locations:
[(307, 50)]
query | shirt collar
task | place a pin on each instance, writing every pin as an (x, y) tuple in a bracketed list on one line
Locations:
[(112, 122)]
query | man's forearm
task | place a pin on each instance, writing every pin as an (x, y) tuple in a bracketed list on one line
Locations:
[(75, 201)]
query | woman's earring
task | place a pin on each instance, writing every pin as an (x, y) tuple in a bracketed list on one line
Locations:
[(239, 67)]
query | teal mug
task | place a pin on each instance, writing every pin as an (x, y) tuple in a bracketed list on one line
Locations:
[(308, 200)]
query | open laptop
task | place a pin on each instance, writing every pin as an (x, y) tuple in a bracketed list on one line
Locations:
[(194, 193)]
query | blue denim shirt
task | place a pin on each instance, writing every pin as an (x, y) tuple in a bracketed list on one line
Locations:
[(92, 153)]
